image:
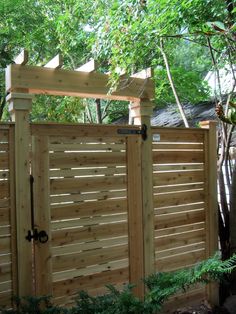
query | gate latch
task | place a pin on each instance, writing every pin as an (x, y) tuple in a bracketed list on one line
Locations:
[(142, 131), (40, 236)]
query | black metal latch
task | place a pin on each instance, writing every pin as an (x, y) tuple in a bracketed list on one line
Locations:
[(40, 236), (142, 131)]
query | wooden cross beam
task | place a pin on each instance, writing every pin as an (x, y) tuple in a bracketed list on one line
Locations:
[(42, 80)]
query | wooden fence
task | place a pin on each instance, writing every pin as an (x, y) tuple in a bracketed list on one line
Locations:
[(84, 193)]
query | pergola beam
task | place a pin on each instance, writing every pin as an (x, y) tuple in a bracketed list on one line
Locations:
[(41, 80)]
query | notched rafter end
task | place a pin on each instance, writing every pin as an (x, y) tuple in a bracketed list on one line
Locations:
[(88, 67), (22, 57), (55, 63), (144, 74)]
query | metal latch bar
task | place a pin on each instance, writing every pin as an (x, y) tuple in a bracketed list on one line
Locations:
[(142, 131)]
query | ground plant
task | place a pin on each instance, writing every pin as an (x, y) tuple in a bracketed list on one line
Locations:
[(161, 286)]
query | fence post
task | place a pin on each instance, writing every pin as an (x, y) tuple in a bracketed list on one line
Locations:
[(19, 107), (141, 212), (210, 148)]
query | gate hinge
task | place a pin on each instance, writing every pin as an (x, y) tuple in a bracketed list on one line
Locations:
[(142, 131)]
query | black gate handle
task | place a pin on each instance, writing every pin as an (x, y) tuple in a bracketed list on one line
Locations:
[(40, 236)]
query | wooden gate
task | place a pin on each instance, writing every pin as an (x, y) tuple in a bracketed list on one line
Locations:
[(80, 200)]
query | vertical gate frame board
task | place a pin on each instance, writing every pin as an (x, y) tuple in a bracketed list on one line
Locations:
[(11, 144), (42, 215), (141, 112), (134, 180), (20, 104), (210, 148)]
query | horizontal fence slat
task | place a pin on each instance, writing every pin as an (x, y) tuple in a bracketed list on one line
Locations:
[(177, 167), (97, 146), (87, 184), (179, 208), (180, 261), (88, 258), (86, 209), (72, 286), (73, 248), (179, 135), (179, 250), (180, 229), (71, 223), (180, 198), (177, 157), (178, 188), (70, 160), (178, 177), (4, 188), (178, 219), (4, 216), (5, 245), (180, 239), (4, 161), (70, 274), (6, 299), (85, 172), (90, 233)]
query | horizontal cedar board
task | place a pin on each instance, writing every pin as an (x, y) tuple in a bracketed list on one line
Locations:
[(73, 138), (179, 208), (180, 239), (180, 198), (178, 157), (5, 272), (5, 286), (86, 147), (178, 188), (4, 230), (81, 133), (73, 248), (161, 168), (171, 146), (178, 219), (4, 147), (4, 216), (180, 250), (4, 135), (72, 273), (6, 299), (179, 229), (5, 245), (73, 160), (75, 223), (4, 203), (4, 188), (179, 135), (189, 298), (86, 172), (75, 185), (180, 261), (4, 174), (71, 286), (5, 258), (70, 236), (89, 258), (41, 80), (179, 177), (4, 160), (87, 209), (88, 196)]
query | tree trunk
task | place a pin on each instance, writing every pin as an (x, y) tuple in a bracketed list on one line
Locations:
[(181, 110), (98, 111)]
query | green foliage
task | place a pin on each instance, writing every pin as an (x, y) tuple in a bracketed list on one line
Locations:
[(160, 285), (191, 88)]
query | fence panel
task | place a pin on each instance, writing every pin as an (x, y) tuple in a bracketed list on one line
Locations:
[(7, 216), (179, 176), (88, 205)]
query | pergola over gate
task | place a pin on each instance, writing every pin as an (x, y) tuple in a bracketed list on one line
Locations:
[(137, 162)]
